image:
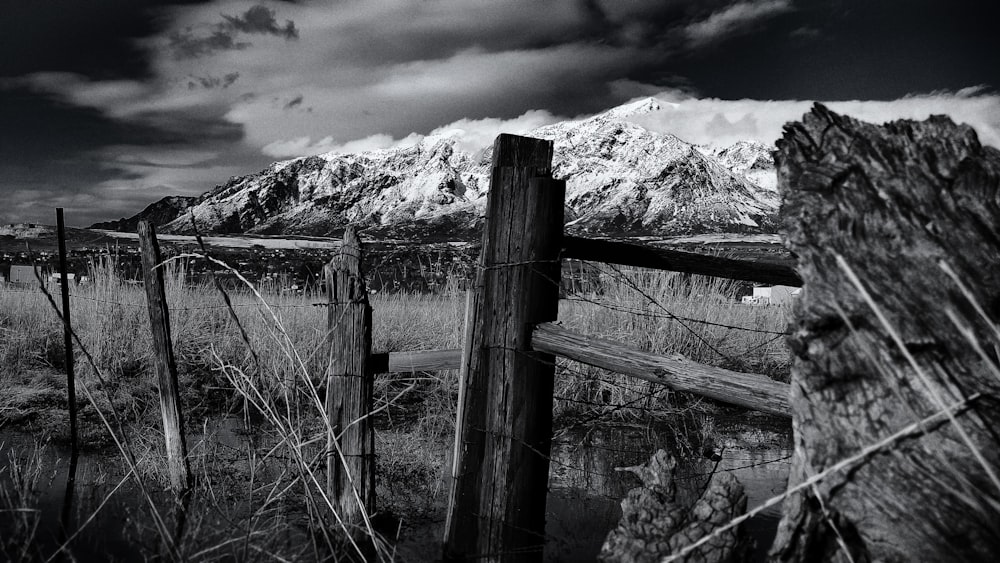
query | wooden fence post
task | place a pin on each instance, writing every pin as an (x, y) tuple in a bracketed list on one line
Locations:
[(350, 450), (163, 359), (497, 507)]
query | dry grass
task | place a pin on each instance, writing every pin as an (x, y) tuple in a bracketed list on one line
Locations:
[(110, 318), (665, 312), (285, 513), (19, 517)]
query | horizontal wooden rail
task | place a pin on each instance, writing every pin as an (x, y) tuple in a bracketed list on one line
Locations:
[(644, 256), (750, 390), (407, 362)]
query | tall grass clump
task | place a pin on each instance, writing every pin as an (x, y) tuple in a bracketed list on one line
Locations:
[(263, 356), (110, 317), (285, 513), (698, 317), (19, 504)]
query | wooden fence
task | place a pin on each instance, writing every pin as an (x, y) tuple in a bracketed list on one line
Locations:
[(499, 477)]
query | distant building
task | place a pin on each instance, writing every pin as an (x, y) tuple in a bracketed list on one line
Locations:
[(56, 278), (773, 295), (20, 275)]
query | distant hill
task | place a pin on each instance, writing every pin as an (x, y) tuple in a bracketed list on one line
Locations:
[(159, 212), (621, 179)]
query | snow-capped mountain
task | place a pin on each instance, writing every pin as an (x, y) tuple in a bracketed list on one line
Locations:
[(621, 178), (428, 183)]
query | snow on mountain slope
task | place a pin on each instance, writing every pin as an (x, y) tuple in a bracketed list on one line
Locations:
[(752, 159), (621, 178), (624, 178), (321, 194)]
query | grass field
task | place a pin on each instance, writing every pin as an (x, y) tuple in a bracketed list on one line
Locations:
[(219, 377)]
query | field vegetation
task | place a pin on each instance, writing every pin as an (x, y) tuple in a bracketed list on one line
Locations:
[(258, 497)]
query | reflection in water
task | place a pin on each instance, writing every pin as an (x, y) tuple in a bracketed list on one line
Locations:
[(105, 537), (582, 506), (114, 515), (585, 491)]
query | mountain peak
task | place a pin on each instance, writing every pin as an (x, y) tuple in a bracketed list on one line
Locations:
[(638, 107), (621, 178)]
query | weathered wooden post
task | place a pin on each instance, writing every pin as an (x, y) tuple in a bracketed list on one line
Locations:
[(893, 209), (350, 450), (497, 506), (163, 359)]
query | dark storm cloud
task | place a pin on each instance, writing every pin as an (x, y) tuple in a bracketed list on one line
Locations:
[(213, 81), (394, 33), (192, 43), (186, 44), (56, 153), (164, 97), (735, 19), (859, 50), (97, 37), (190, 128), (806, 32), (260, 19)]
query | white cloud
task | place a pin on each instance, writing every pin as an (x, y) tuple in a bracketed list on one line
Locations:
[(470, 135), (474, 134), (733, 20), (362, 69), (112, 96), (382, 73), (723, 122), (303, 146), (154, 182), (709, 121), (156, 156)]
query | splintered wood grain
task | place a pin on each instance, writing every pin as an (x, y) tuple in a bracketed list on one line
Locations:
[(497, 509), (894, 201), (350, 440), (750, 390), (163, 359), (417, 361)]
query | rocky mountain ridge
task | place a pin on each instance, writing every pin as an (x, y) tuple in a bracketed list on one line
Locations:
[(621, 179)]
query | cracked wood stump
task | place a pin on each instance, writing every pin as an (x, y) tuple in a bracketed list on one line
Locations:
[(654, 524), (895, 202)]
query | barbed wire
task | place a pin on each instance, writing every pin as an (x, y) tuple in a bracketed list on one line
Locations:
[(668, 315), (653, 315), (615, 273), (172, 309), (650, 392)]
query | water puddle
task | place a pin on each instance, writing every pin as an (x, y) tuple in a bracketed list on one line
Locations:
[(583, 502), (585, 491), (31, 523)]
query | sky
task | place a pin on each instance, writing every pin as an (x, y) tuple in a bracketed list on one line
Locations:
[(109, 105)]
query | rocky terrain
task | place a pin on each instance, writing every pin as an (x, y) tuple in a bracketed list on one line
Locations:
[(159, 212), (621, 179)]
